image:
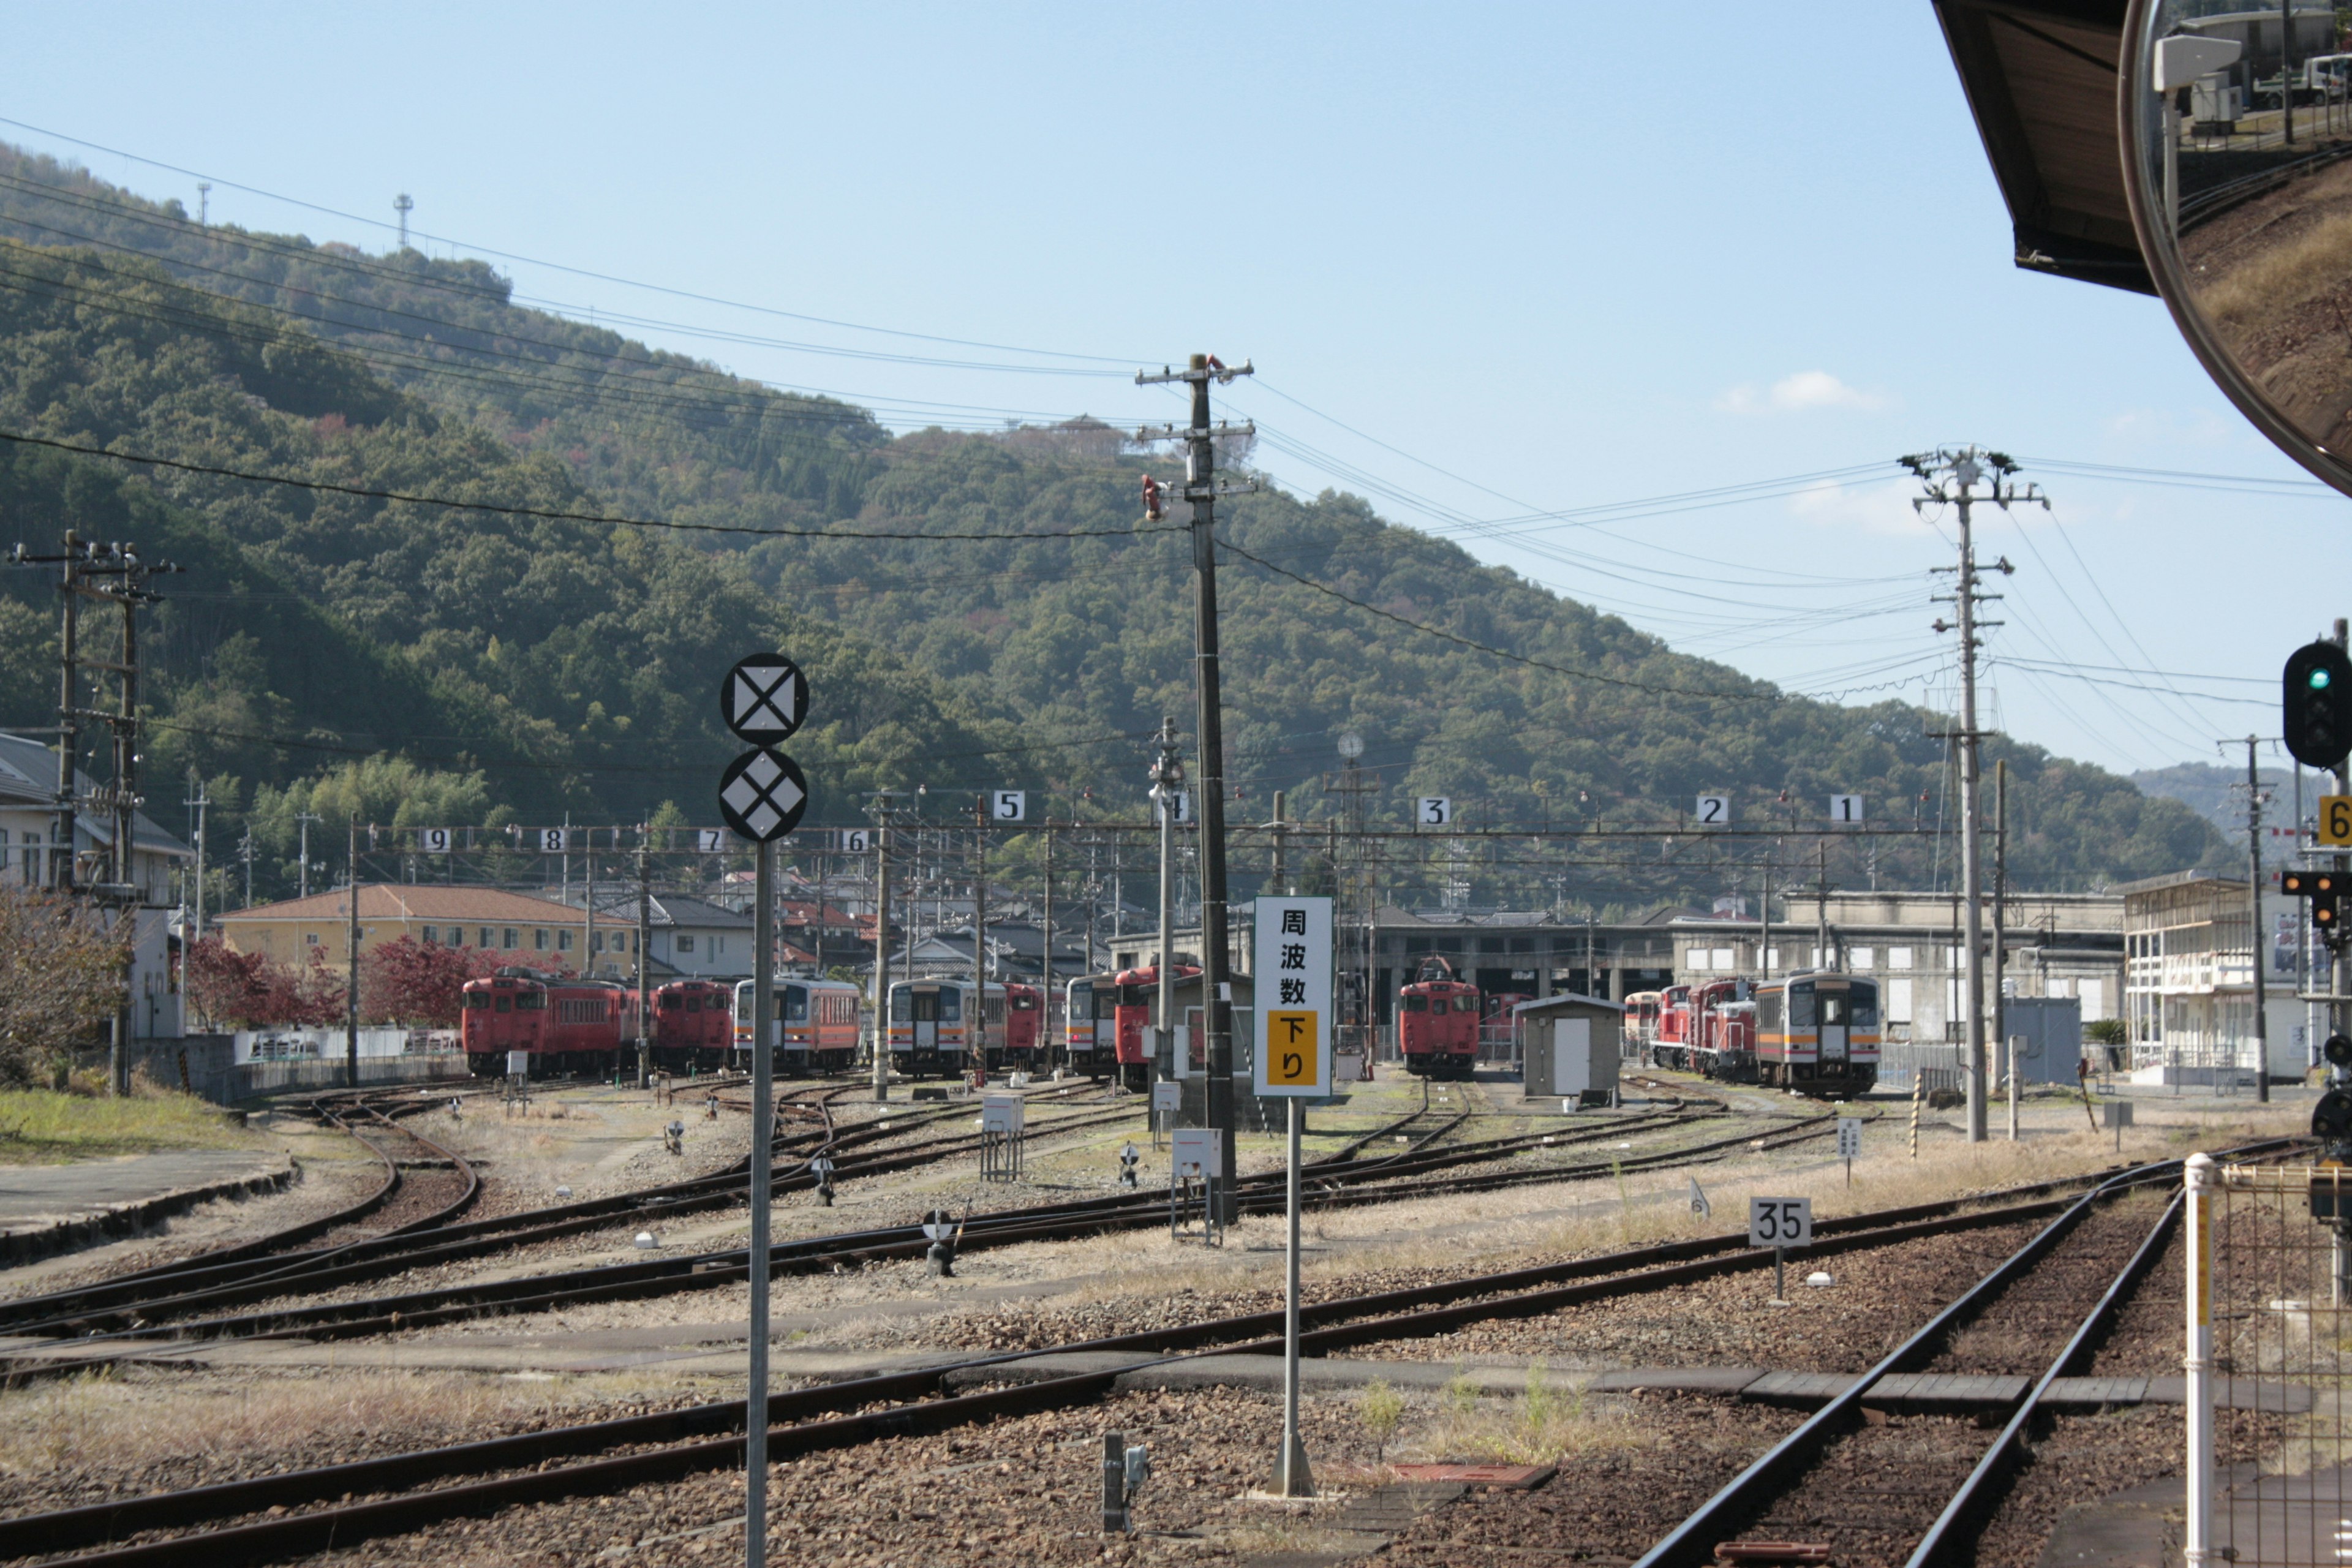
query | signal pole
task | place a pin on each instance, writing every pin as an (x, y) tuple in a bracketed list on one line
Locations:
[(1167, 773), (197, 802), (881, 1077), (1950, 479), (2254, 916), (352, 986), (1201, 489)]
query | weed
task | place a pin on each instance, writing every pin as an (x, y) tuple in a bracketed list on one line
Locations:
[(1381, 1410)]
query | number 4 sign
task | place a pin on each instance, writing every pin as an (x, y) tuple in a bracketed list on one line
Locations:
[(1293, 975)]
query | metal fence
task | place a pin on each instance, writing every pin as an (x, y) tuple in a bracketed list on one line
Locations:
[(2269, 1363)]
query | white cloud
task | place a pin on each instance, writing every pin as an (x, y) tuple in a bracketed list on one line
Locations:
[(1881, 506), (1806, 390)]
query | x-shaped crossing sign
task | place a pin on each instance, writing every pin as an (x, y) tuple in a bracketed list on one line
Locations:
[(765, 698), (762, 795)]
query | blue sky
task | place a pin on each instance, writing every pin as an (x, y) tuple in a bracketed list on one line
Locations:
[(1490, 262)]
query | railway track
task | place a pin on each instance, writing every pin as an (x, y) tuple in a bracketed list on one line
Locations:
[(277, 1517), (134, 1302), (1357, 1183), (1915, 1490)]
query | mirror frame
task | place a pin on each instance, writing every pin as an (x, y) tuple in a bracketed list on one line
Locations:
[(2133, 99)]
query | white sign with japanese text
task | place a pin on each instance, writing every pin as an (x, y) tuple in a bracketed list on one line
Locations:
[(1293, 974)]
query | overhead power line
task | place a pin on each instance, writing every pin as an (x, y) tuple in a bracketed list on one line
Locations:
[(554, 514)]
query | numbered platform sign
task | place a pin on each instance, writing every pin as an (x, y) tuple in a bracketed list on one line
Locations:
[(433, 840), (710, 840), (1293, 973), (1714, 811), (2336, 820), (1009, 805), (1845, 809), (1434, 811), (554, 840), (1780, 1222), (1183, 799)]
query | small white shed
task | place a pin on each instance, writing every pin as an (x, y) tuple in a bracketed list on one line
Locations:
[(1568, 1048)]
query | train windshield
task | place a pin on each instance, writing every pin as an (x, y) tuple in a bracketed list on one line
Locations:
[(1800, 1007), (477, 1000), (1862, 1002), (1833, 1007), (794, 999), (1106, 1003), (950, 1005)]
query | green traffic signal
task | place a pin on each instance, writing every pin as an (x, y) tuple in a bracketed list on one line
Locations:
[(2319, 680)]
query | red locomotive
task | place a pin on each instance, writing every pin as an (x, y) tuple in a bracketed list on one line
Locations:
[(1438, 1018), (565, 1024), (1673, 1043), (1139, 994), (692, 1025)]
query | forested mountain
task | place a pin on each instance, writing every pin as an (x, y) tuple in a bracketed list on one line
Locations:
[(528, 665)]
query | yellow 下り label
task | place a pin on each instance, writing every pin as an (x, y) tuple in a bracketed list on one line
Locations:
[(1294, 1059)]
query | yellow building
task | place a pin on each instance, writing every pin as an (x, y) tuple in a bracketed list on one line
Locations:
[(540, 932)]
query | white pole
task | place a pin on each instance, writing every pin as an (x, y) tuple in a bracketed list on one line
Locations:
[(764, 1089), (2012, 1087), (1293, 1477), (2202, 1177)]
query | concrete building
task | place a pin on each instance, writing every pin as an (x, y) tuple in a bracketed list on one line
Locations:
[(29, 853), (2190, 989)]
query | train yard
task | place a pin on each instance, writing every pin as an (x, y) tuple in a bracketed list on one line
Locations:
[(551, 1380)]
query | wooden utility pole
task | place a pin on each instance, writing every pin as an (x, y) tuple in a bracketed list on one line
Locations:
[(644, 941), (1201, 492)]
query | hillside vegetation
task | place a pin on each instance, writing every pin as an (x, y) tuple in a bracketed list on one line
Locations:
[(421, 664)]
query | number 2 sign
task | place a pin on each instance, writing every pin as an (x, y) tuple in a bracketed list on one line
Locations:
[(1714, 811)]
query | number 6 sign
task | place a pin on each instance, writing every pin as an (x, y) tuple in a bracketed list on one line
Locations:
[(2335, 819)]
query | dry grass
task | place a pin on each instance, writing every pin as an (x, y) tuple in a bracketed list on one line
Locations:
[(2273, 282), (40, 1126), (1545, 1424), (101, 1419)]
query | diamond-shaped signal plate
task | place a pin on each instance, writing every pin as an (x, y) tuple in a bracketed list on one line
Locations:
[(762, 795)]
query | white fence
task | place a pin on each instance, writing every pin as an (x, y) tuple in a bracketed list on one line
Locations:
[(257, 1045)]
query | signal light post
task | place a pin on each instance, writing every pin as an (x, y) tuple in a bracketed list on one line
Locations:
[(2316, 708)]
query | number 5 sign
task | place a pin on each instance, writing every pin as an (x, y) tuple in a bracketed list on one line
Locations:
[(1293, 976), (1009, 805)]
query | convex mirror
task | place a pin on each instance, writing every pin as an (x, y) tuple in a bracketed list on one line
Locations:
[(2237, 137)]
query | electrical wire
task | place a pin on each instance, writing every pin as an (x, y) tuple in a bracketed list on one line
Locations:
[(557, 515)]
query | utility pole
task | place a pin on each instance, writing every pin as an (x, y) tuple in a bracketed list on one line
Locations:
[(204, 204), (2254, 917), (1167, 773), (302, 820), (352, 950), (116, 574), (404, 207), (2000, 929), (1281, 882), (1045, 972), (644, 941), (1201, 489), (975, 1032), (1950, 479), (2286, 72), (245, 853), (1822, 906), (881, 948), (588, 908), (1764, 928), (197, 802)]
